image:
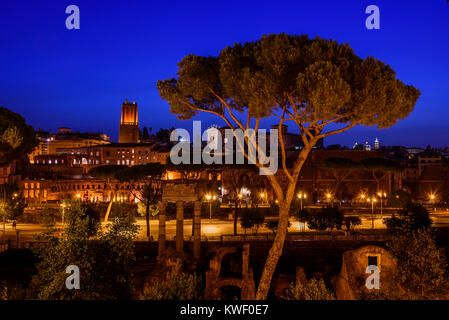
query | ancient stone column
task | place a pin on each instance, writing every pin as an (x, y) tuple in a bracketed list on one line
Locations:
[(197, 230), (161, 244), (179, 226)]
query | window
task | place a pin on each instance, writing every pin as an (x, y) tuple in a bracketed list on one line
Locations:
[(372, 260)]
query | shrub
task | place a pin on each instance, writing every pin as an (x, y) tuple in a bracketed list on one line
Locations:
[(177, 285), (313, 290), (421, 264), (351, 222), (273, 225), (327, 218), (251, 218)]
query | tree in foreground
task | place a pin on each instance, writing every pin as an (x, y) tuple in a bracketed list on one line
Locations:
[(321, 86), (17, 139), (102, 258), (421, 264), (313, 290)]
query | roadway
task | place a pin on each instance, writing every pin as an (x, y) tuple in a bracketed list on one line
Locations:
[(209, 227)]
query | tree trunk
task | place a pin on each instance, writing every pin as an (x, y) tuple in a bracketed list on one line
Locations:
[(275, 253), (147, 218)]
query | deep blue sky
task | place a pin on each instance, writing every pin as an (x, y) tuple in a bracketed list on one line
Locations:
[(78, 78)]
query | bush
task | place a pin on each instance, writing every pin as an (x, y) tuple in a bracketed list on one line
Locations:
[(251, 218), (421, 264), (313, 290), (351, 222), (413, 217), (273, 225), (177, 285), (327, 218)]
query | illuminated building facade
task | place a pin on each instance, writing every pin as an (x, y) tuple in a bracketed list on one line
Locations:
[(49, 143), (129, 126)]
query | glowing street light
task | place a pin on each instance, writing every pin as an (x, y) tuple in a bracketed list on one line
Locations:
[(301, 196), (432, 197), (209, 198), (381, 195)]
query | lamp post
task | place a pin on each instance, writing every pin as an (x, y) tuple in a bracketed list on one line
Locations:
[(328, 196), (432, 201), (381, 196), (209, 198), (302, 196), (262, 196), (373, 200)]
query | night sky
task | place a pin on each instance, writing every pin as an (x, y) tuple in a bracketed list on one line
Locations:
[(79, 78)]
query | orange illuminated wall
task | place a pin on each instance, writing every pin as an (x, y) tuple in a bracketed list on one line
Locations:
[(129, 113), (129, 127)]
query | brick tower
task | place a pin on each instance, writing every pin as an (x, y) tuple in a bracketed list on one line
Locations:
[(129, 127)]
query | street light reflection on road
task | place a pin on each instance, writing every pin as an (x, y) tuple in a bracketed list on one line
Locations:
[(210, 229)]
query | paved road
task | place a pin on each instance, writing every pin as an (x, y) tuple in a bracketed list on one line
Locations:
[(213, 227)]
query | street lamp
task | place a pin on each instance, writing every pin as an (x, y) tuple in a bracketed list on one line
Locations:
[(209, 198), (262, 196), (432, 200), (328, 196), (381, 195), (373, 200), (302, 196)]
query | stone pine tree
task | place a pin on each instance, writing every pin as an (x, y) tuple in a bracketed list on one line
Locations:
[(380, 168), (107, 172), (321, 86), (340, 168), (151, 192)]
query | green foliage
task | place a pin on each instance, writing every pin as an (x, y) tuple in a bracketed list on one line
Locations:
[(151, 192), (121, 210), (314, 82), (17, 139), (177, 285), (351, 222), (413, 217), (324, 77), (313, 290), (273, 225), (251, 218), (327, 218), (140, 172), (12, 202), (102, 257), (421, 264)]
